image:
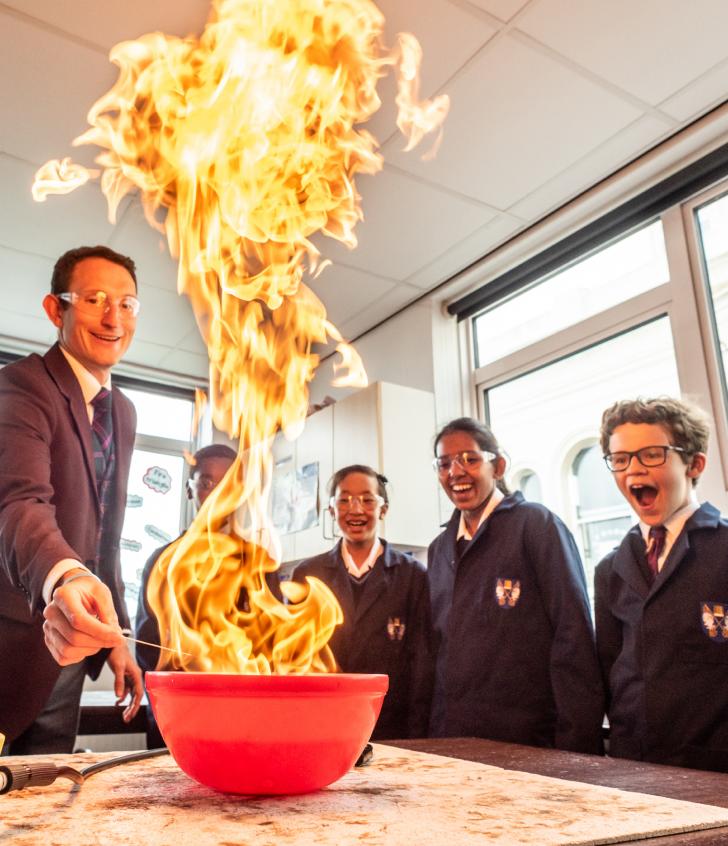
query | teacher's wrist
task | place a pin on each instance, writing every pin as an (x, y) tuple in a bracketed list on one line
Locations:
[(76, 571), (72, 575)]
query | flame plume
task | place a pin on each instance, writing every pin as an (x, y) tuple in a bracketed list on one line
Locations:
[(242, 144)]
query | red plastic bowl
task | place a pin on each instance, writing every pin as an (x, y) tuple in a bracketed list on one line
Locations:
[(266, 734)]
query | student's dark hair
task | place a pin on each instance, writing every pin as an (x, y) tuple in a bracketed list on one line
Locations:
[(340, 475), (63, 269), (211, 451), (688, 425), (481, 434)]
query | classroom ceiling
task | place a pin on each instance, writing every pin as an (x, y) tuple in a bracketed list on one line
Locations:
[(547, 98)]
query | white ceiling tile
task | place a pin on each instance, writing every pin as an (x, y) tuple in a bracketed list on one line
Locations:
[(346, 291), (193, 343), (464, 253), (395, 299), (448, 35), (26, 279), (504, 10), (517, 106), (48, 85), (52, 227), (145, 354), (406, 224), (179, 361), (105, 24), (22, 327), (133, 236), (650, 48), (165, 318), (708, 91), (598, 164)]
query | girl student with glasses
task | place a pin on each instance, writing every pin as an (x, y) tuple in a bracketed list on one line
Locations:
[(384, 597), (515, 659)]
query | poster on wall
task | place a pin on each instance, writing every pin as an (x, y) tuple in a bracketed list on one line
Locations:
[(295, 498), (153, 514)]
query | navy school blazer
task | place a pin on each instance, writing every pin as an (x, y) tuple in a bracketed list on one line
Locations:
[(388, 631), (663, 647), (516, 659)]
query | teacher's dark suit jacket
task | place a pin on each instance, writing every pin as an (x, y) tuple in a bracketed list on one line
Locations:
[(49, 510), (388, 630)]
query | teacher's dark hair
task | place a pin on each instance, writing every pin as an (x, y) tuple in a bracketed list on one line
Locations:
[(63, 270)]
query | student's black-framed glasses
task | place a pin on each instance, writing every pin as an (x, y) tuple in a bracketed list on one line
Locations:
[(649, 456), (468, 459)]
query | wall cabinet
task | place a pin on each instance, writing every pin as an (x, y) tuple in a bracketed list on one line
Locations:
[(390, 428)]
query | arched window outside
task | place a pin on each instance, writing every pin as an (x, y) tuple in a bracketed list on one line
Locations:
[(602, 514), (529, 485)]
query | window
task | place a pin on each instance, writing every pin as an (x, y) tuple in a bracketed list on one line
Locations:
[(527, 482), (540, 416), (602, 514), (156, 510), (569, 332), (712, 221), (161, 415), (623, 270)]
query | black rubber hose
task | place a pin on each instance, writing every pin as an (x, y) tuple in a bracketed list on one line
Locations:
[(18, 776), (123, 759)]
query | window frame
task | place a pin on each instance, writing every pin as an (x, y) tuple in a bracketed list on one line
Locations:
[(683, 299), (716, 379), (163, 445)]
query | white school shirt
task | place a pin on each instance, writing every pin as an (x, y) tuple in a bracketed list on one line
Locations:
[(495, 500), (351, 565)]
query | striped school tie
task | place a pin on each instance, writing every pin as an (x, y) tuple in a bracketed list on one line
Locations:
[(657, 535)]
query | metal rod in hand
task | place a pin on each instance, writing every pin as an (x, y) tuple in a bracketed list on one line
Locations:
[(127, 634)]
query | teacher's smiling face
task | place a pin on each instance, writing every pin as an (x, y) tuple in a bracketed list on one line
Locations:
[(97, 336)]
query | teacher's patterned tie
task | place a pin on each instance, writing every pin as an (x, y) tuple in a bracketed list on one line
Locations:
[(102, 432), (102, 435), (656, 546)]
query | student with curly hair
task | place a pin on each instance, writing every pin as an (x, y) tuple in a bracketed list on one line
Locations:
[(662, 595)]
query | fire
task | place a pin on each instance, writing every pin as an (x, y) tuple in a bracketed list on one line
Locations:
[(242, 144)]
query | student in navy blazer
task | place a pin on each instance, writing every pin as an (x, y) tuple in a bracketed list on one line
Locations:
[(662, 613), (384, 596), (516, 659)]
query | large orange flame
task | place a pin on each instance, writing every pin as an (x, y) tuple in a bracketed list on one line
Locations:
[(242, 144)]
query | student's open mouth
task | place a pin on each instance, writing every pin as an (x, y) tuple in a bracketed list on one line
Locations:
[(357, 524), (644, 494)]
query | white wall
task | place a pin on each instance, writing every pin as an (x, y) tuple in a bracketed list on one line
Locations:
[(398, 351)]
